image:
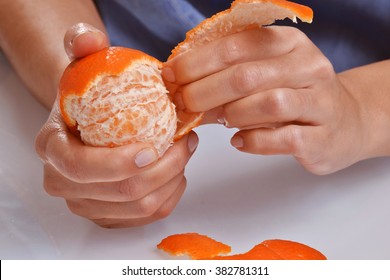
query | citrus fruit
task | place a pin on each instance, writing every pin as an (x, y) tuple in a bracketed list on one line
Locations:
[(197, 246), (242, 15), (116, 96)]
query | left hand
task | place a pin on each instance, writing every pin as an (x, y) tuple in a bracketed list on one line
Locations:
[(113, 187)]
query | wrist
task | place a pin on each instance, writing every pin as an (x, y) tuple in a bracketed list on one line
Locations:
[(369, 86)]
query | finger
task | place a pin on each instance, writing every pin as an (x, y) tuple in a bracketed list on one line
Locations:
[(274, 106), (245, 79), (248, 45), (214, 116), (299, 141), (130, 189), (83, 39), (144, 207), (166, 209), (86, 164)]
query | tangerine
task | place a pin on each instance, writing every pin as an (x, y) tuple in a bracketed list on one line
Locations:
[(116, 96)]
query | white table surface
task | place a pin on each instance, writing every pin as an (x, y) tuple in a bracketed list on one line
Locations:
[(236, 198)]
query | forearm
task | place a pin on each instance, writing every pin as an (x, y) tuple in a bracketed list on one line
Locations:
[(31, 36), (370, 87)]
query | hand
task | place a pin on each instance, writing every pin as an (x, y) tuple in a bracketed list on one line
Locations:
[(113, 187), (280, 91)]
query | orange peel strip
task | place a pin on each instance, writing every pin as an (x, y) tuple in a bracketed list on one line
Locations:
[(202, 247), (277, 249), (194, 245)]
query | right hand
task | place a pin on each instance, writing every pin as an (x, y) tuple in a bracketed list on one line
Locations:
[(283, 95), (114, 187)]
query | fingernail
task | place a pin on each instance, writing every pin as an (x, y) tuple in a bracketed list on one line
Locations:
[(89, 35), (77, 30), (145, 157), (168, 74), (192, 142), (97, 36), (222, 120), (221, 117), (237, 141), (82, 30)]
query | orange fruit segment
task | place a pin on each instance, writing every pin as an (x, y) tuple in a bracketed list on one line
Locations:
[(202, 247), (116, 96), (242, 15), (193, 245)]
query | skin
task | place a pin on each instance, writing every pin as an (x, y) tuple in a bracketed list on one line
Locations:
[(254, 80), (133, 187), (283, 95)]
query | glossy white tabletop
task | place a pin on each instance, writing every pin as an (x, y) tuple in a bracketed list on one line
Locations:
[(236, 198)]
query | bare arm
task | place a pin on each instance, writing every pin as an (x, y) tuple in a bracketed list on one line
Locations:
[(138, 189), (31, 36), (370, 86)]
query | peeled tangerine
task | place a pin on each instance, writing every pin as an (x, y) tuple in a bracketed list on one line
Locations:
[(117, 96)]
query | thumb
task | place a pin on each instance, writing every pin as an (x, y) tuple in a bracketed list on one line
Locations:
[(83, 39)]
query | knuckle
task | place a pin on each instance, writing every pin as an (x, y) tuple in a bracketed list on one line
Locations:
[(229, 51), (320, 65), (105, 223), (319, 168), (77, 208), (293, 35), (189, 98), (298, 35), (51, 187), (40, 146), (167, 208), (245, 78), (132, 188), (147, 206), (52, 183), (44, 136), (277, 103), (296, 141), (177, 163), (85, 208), (323, 67), (71, 168), (163, 212), (254, 142)]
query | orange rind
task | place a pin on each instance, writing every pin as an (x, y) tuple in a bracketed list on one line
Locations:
[(277, 249), (194, 245), (202, 247)]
